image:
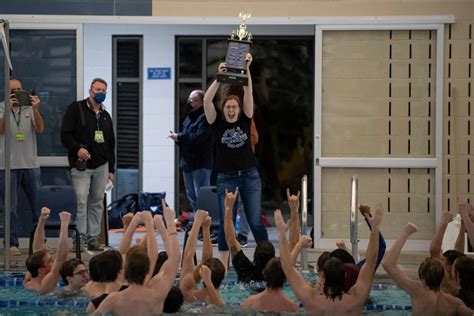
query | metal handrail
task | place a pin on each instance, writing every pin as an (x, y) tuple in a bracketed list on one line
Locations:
[(353, 218), (304, 220)]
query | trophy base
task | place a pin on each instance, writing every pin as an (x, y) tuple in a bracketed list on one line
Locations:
[(232, 78)]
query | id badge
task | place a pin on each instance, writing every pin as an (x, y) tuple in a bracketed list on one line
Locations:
[(99, 137), (20, 137)]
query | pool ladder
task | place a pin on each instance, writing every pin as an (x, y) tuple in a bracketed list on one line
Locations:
[(353, 218), (304, 220)]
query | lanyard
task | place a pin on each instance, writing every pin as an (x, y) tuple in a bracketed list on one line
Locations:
[(97, 119), (17, 121)]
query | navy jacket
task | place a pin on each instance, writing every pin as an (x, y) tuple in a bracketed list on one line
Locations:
[(195, 142)]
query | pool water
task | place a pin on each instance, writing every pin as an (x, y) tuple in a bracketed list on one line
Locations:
[(386, 297)]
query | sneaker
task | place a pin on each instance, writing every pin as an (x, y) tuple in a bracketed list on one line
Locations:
[(94, 245), (14, 251), (242, 240)]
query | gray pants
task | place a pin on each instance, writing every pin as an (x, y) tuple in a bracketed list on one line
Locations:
[(90, 187)]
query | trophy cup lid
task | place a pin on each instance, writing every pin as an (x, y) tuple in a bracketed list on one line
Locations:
[(241, 33)]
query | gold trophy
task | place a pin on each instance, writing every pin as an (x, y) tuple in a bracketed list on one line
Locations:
[(238, 46)]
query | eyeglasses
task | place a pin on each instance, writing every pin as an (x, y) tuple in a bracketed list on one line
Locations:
[(192, 99), (231, 107), (82, 272)]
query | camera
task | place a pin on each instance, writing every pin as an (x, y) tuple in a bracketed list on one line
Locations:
[(81, 164), (23, 97)]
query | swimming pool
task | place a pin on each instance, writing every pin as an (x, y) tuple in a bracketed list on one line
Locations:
[(387, 299)]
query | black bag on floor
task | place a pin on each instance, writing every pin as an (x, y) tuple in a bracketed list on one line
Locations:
[(118, 208)]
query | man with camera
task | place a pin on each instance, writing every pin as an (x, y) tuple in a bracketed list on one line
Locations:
[(87, 132), (24, 123)]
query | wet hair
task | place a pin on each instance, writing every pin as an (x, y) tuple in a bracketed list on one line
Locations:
[(217, 271), (464, 267), (173, 301), (274, 275), (322, 259), (431, 272), (98, 80), (351, 273), (106, 266), (162, 257), (68, 267), (34, 262), (263, 253), (334, 278), (342, 255), (137, 265), (451, 256)]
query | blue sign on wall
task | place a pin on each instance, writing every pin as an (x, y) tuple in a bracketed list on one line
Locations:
[(162, 73)]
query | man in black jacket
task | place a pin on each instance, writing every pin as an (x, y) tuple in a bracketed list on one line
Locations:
[(196, 148), (87, 132)]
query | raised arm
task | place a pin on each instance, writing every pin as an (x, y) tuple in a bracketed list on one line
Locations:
[(38, 239), (361, 288), (466, 210), (152, 250), (167, 274), (187, 281), (51, 279), (229, 230), (248, 90), (160, 227), (303, 291), (460, 240), (209, 108), (206, 247), (294, 204), (435, 246), (128, 235), (390, 260), (303, 242), (35, 104), (214, 296)]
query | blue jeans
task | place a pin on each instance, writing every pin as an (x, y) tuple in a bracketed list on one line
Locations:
[(193, 181), (244, 227), (250, 191), (30, 181), (90, 188)]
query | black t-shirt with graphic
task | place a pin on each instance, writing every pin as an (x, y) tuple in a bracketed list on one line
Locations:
[(233, 148)]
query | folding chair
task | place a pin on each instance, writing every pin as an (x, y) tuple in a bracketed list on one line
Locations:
[(58, 199)]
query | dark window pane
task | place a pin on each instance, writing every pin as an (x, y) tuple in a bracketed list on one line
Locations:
[(45, 61), (190, 58), (128, 59)]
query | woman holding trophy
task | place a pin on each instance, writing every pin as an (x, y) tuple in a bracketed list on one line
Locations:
[(235, 161)]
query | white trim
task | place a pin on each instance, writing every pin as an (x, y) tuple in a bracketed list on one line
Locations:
[(223, 20), (317, 205), (376, 27), (362, 162), (439, 122)]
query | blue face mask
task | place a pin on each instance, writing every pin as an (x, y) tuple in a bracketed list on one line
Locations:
[(99, 97)]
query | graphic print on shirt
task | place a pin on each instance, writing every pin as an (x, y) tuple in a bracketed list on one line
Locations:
[(234, 138)]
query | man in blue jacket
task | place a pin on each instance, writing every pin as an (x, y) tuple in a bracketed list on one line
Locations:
[(195, 147)]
